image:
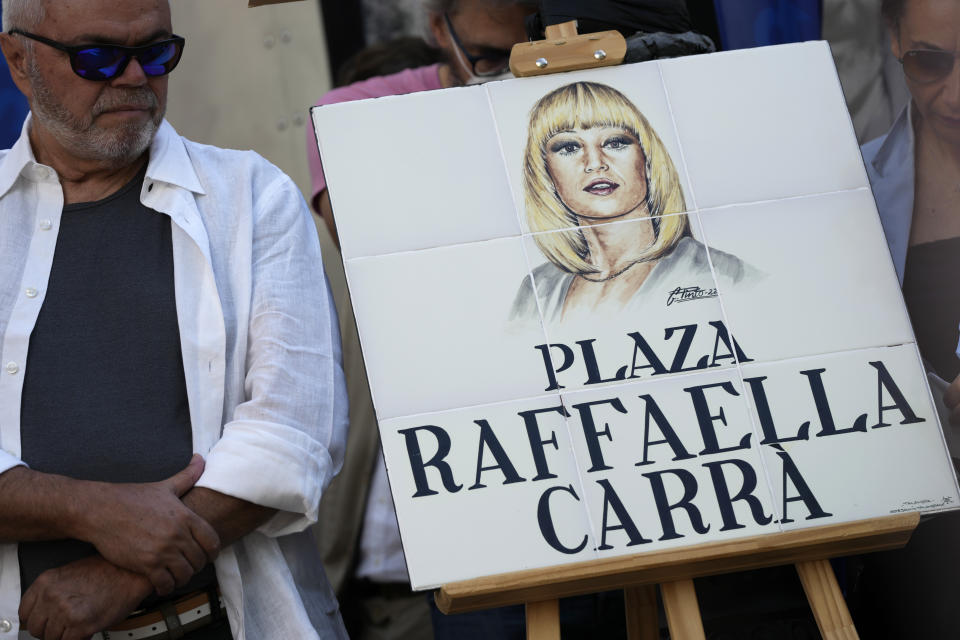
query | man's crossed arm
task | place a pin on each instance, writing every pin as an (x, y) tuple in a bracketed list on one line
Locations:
[(150, 537)]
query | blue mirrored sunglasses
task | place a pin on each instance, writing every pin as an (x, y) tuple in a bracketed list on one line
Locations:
[(107, 61)]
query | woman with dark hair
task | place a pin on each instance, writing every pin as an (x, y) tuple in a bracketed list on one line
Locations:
[(914, 171), (915, 174)]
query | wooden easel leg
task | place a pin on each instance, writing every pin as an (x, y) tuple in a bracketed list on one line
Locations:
[(641, 606), (826, 600), (543, 620), (683, 612)]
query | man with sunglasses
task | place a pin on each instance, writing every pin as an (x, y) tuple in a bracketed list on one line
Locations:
[(914, 171), (158, 299)]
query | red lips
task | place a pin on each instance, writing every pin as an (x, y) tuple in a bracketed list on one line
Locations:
[(601, 187)]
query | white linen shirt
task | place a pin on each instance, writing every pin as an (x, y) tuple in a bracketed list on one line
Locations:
[(261, 354)]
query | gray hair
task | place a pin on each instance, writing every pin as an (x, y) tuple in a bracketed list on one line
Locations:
[(23, 14), (451, 6)]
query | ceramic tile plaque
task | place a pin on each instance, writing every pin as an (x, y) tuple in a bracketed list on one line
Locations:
[(617, 311)]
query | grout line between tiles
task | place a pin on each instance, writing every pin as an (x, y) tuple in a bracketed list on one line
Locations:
[(757, 437), (455, 245), (526, 234), (936, 413), (803, 196), (479, 405), (566, 420), (720, 299), (676, 132), (503, 157), (608, 224), (625, 383), (827, 353), (581, 483)]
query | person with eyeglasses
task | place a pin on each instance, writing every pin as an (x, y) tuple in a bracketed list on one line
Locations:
[(474, 37), (914, 171), (915, 174), (172, 403)]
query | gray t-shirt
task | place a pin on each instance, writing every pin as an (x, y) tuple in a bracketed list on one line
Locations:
[(104, 395)]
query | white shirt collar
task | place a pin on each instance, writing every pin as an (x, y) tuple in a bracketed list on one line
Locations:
[(898, 145), (16, 160), (169, 160)]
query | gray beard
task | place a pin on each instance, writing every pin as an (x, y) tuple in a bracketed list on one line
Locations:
[(82, 137)]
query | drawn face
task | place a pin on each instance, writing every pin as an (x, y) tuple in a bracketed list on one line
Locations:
[(933, 25), (599, 173)]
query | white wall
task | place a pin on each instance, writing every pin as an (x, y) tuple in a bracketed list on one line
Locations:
[(249, 76)]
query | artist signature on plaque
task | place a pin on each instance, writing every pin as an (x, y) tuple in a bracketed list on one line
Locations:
[(916, 505), (687, 294)]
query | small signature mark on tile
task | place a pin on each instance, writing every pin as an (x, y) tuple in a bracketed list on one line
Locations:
[(688, 294)]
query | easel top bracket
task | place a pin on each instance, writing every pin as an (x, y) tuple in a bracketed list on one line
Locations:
[(566, 50)]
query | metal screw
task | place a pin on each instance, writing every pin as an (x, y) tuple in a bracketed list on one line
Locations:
[(600, 54), (541, 63)]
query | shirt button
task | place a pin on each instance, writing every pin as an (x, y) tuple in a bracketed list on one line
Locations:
[(12, 368), (46, 225), (31, 292), (5, 625)]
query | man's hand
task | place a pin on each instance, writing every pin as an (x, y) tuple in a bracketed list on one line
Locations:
[(951, 398), (79, 599), (145, 528)]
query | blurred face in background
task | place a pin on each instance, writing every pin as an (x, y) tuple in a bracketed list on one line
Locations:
[(482, 30), (927, 41)]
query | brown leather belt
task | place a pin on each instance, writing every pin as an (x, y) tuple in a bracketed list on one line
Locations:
[(170, 620)]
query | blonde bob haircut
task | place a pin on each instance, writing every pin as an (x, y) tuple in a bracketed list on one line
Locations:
[(585, 105)]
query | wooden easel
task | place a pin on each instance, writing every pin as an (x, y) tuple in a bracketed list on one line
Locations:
[(675, 569)]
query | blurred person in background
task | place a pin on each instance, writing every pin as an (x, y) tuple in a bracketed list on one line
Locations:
[(13, 107), (387, 58), (357, 529), (871, 78), (869, 73), (914, 171)]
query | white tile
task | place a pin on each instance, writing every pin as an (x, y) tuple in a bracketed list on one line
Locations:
[(414, 171), (517, 514), (763, 124), (663, 318), (828, 282), (822, 436), (642, 86), (645, 447), (435, 331)]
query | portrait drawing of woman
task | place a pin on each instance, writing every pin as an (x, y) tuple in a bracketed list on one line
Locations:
[(604, 202)]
